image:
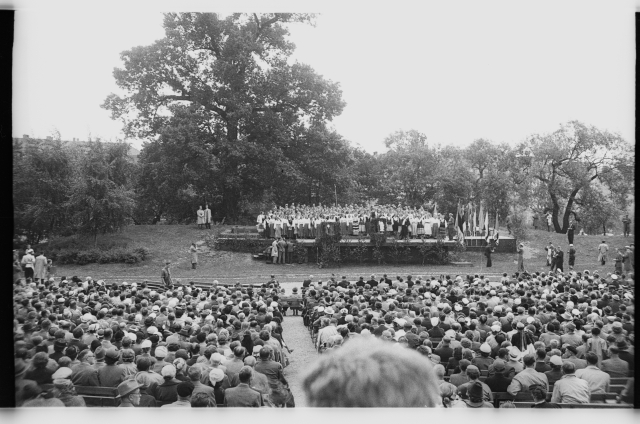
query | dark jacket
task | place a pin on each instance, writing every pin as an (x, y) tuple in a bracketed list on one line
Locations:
[(166, 392)]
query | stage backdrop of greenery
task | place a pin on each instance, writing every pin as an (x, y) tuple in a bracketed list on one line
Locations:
[(230, 119)]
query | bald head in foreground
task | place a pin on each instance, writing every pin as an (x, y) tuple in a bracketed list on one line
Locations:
[(371, 373)]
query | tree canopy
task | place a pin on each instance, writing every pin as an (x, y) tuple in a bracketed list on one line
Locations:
[(233, 78)]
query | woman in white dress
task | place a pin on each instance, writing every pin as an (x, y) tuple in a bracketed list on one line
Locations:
[(200, 218)]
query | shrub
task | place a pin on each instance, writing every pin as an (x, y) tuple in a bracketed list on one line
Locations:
[(96, 255)]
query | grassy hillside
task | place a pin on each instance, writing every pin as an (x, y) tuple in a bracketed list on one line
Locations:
[(172, 242)]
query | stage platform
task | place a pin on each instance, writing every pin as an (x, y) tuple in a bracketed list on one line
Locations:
[(507, 244)]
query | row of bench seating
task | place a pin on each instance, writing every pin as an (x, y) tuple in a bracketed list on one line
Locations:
[(580, 405), (98, 396), (107, 397)]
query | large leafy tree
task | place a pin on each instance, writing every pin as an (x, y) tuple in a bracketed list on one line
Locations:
[(42, 175), (410, 168), (101, 198), (565, 164), (234, 74)]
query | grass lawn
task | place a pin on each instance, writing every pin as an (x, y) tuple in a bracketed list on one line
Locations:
[(172, 242)]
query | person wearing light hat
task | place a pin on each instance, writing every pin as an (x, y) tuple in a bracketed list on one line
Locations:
[(484, 360), (527, 377), (167, 392), (129, 393), (514, 360), (555, 373), (64, 389), (160, 354)]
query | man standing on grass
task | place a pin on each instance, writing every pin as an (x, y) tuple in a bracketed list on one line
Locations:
[(602, 253), (166, 274), (207, 217), (274, 251), (572, 256), (626, 222)]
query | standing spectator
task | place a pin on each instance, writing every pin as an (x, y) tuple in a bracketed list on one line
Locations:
[(274, 251), (242, 395), (450, 227), (200, 214), (571, 230), (17, 268), (550, 250), (40, 268), (166, 274), (28, 261), (487, 252), (618, 261), (549, 221), (597, 345), (598, 380), (626, 223), (281, 250), (194, 255), (572, 256), (558, 263), (207, 217), (626, 259), (570, 389), (603, 248), (520, 251), (536, 220)]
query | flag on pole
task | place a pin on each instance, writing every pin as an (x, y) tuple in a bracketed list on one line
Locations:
[(486, 221), (481, 220), (460, 217), (473, 224), (435, 211), (496, 233)]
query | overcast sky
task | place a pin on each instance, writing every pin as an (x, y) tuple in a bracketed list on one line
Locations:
[(492, 70)]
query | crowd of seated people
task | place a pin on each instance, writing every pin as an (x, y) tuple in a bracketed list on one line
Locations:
[(551, 339), (144, 347)]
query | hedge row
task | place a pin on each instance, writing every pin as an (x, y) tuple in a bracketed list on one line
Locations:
[(95, 255)]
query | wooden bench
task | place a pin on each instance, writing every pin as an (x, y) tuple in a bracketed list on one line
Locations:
[(94, 396), (290, 302), (580, 405)]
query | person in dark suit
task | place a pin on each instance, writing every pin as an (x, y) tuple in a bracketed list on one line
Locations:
[(499, 380), (243, 396)]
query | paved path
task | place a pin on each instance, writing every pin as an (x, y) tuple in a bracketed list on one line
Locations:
[(297, 337)]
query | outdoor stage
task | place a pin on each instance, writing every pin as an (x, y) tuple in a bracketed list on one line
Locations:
[(507, 244)]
